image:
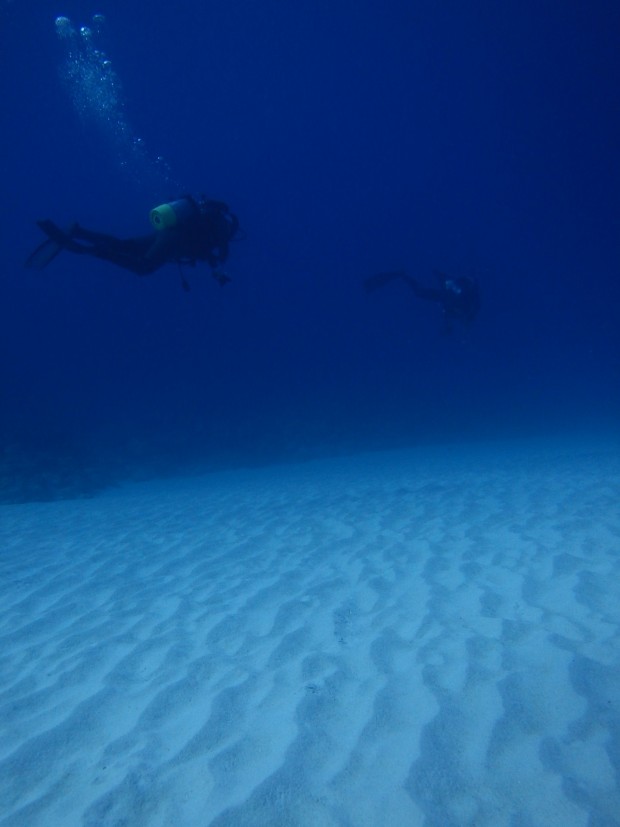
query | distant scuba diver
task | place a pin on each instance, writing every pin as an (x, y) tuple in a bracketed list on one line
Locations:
[(459, 297), (185, 231)]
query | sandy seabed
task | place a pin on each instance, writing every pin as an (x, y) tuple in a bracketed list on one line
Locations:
[(427, 638)]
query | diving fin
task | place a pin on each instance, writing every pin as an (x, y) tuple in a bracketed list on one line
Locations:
[(61, 237), (43, 255), (57, 241)]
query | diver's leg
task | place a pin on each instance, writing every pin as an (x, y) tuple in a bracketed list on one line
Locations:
[(83, 234), (127, 260), (128, 253), (125, 246), (428, 293), (381, 279)]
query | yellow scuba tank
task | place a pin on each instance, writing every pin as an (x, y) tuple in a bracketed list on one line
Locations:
[(171, 214)]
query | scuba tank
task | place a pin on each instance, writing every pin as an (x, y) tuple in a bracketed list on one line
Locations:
[(173, 213)]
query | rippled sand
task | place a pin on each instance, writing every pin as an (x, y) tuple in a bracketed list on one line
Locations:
[(425, 638)]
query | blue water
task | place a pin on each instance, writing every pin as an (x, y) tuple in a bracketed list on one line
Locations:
[(349, 138)]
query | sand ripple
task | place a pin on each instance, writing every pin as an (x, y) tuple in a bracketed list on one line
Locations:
[(395, 639)]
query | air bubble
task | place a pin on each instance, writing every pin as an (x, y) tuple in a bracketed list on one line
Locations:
[(95, 90), (64, 28)]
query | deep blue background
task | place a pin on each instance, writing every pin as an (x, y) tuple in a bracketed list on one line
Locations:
[(349, 137)]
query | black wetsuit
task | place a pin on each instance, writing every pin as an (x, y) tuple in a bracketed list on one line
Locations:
[(202, 236), (459, 297)]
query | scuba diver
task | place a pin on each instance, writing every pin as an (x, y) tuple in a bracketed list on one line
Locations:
[(459, 297), (186, 230)]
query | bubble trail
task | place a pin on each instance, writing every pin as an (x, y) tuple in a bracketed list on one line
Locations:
[(96, 93)]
